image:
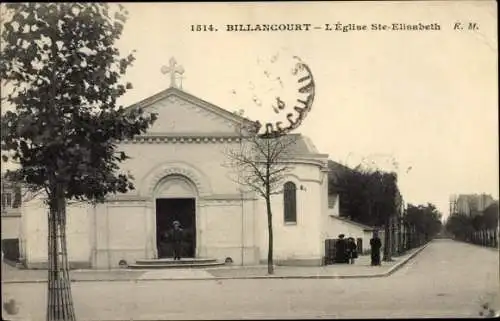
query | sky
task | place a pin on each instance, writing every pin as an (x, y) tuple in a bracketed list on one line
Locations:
[(424, 100)]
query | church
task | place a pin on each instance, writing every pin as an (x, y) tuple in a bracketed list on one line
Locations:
[(179, 176)]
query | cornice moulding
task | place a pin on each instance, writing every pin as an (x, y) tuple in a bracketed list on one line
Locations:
[(181, 139), (227, 197), (127, 198)]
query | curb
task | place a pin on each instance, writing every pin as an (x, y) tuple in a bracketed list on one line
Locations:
[(496, 249), (402, 263), (257, 277)]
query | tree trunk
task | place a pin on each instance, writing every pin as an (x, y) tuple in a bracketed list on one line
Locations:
[(387, 241), (59, 300), (270, 263)]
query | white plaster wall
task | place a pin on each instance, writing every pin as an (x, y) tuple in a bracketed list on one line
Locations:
[(78, 233), (121, 233), (334, 199), (334, 227), (11, 225), (225, 232), (206, 158), (324, 213), (223, 227), (178, 115), (303, 239), (34, 232)]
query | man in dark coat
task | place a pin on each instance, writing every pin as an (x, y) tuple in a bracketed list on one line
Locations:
[(352, 250), (341, 250), (176, 238), (375, 245)]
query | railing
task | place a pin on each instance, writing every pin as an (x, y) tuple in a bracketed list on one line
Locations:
[(487, 238), (410, 240)]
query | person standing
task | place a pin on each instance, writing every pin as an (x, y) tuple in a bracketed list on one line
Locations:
[(341, 250), (375, 245), (176, 236), (352, 250)]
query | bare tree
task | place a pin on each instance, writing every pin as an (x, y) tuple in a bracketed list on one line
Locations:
[(261, 164)]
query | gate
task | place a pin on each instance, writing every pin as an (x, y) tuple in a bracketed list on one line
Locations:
[(359, 245), (329, 251)]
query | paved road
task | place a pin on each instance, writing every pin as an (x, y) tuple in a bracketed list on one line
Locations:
[(447, 279)]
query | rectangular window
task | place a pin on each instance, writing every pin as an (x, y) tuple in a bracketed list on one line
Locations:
[(290, 202)]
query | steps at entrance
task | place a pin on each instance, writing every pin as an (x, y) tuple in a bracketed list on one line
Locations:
[(172, 264)]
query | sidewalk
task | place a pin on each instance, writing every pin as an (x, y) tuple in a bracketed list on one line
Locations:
[(361, 269)]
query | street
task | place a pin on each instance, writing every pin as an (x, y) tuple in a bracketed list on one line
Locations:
[(447, 279)]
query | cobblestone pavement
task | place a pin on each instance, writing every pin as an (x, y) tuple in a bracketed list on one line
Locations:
[(447, 279)]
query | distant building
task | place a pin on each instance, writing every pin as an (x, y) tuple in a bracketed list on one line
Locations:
[(470, 204)]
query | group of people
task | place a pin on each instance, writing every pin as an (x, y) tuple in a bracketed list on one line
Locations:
[(347, 249)]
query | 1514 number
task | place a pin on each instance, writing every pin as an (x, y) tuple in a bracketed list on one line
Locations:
[(203, 28)]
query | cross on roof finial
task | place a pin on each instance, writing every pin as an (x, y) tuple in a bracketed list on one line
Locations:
[(173, 68)]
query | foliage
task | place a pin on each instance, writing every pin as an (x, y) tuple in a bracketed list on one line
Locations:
[(64, 71), (60, 60), (425, 218), (369, 196), (488, 219), (462, 225)]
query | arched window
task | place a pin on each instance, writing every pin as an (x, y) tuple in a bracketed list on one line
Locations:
[(290, 202)]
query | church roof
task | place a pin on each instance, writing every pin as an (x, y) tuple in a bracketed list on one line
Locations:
[(303, 145), (173, 91), (366, 228)]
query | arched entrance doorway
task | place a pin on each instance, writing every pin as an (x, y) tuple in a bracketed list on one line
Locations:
[(175, 200)]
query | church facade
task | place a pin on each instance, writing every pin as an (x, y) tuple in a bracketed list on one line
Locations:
[(179, 174)]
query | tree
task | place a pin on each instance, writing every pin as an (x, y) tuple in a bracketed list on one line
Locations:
[(425, 218), (388, 200), (261, 165), (460, 226), (490, 216), (371, 197), (486, 219), (65, 72)]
